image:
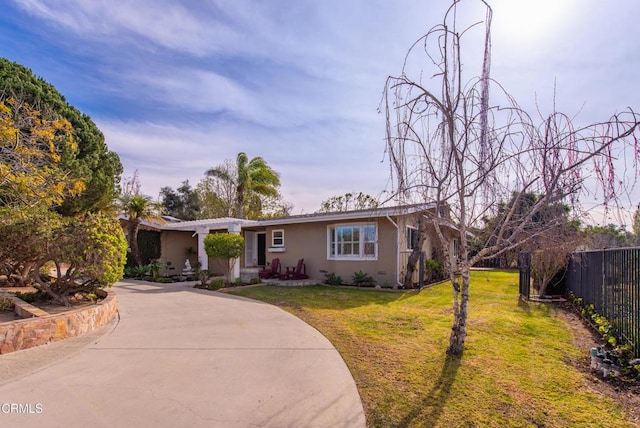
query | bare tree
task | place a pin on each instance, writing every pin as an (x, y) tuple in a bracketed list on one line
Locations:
[(447, 143), (218, 192)]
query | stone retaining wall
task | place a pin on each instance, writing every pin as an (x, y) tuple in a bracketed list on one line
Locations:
[(42, 329)]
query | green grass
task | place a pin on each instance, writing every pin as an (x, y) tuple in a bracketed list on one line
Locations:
[(516, 370)]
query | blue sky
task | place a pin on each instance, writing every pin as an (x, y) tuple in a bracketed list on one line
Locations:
[(177, 87)]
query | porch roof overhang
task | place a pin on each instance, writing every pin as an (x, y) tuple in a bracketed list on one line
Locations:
[(224, 223)]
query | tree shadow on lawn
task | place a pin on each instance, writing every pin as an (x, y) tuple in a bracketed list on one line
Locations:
[(430, 408)]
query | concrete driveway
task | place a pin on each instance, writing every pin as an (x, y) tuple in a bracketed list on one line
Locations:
[(181, 357)]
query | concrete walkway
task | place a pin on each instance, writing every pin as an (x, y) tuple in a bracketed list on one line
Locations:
[(181, 357)]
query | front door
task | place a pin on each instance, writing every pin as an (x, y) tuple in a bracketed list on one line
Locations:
[(262, 248)]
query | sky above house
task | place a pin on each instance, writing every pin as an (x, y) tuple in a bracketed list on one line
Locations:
[(177, 87)]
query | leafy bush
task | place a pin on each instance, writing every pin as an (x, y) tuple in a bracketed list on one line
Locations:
[(361, 279), (433, 271), (215, 284), (332, 279), (63, 255), (226, 246), (95, 249), (33, 296), (136, 272), (6, 304), (254, 281)]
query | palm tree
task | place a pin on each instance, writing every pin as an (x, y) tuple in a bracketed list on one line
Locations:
[(137, 208), (253, 176)]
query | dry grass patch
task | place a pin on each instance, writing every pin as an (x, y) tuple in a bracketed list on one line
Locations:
[(517, 370)]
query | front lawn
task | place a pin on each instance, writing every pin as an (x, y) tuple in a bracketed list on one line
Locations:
[(516, 371)]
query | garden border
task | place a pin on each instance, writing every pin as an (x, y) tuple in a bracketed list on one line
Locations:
[(43, 328)]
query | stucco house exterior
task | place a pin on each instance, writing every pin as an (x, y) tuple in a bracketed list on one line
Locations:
[(376, 242)]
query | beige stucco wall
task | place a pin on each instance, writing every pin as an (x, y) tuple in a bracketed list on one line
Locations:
[(173, 248), (309, 241)]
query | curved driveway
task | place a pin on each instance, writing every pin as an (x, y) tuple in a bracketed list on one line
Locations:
[(181, 357)]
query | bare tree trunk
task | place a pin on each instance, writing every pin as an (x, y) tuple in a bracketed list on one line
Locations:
[(416, 249), (240, 201), (133, 241), (461, 304), (45, 288), (449, 144)]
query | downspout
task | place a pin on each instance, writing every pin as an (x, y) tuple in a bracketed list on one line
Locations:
[(398, 283)]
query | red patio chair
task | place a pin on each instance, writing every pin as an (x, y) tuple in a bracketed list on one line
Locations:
[(299, 272), (271, 272)]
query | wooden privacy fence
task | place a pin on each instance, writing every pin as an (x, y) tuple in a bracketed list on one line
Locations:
[(610, 281)]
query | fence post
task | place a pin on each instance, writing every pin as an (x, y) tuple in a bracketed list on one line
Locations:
[(524, 264)]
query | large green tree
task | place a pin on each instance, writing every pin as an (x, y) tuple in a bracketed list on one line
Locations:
[(249, 177), (552, 235), (92, 162), (610, 236), (182, 203), (30, 169)]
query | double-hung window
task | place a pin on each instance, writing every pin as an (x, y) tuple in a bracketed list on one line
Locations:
[(277, 238), (352, 242)]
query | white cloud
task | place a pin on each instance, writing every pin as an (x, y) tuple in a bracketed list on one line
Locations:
[(167, 24), (167, 155), (178, 87)]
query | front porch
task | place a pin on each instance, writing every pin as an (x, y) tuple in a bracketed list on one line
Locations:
[(246, 274)]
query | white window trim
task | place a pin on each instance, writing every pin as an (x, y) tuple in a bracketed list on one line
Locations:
[(353, 258), (273, 238), (406, 237)]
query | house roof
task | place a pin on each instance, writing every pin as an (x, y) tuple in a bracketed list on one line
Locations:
[(224, 223), (350, 215), (153, 223)]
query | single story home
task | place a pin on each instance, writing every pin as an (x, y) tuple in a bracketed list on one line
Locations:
[(374, 241)]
